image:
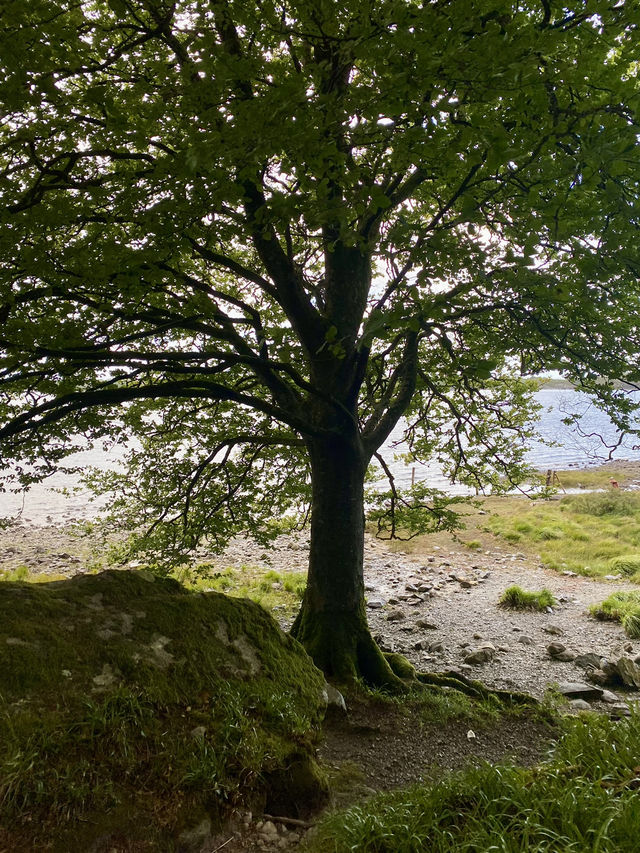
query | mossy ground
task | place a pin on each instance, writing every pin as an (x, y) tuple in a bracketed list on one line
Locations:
[(128, 702)]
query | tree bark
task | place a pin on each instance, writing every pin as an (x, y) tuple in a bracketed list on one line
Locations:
[(332, 623)]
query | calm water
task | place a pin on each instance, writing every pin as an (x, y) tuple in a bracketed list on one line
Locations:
[(591, 444)]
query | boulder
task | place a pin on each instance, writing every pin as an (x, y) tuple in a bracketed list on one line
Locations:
[(480, 655), (629, 672), (579, 690), (152, 708), (590, 660), (559, 652)]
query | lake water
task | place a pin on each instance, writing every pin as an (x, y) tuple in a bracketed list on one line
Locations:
[(592, 444)]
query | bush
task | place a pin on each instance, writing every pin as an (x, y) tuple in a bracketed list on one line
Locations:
[(519, 599), (631, 623)]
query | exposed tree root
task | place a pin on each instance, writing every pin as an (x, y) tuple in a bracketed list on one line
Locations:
[(476, 689)]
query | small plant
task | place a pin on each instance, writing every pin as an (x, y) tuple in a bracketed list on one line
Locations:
[(519, 599), (605, 503), (623, 607), (631, 624)]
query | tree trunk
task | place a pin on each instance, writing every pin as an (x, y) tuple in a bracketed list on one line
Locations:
[(332, 622)]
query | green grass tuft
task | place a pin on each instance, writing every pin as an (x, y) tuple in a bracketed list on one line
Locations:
[(631, 623), (627, 565), (623, 607), (517, 598)]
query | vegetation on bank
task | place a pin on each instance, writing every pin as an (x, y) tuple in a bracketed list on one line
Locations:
[(275, 591), (585, 533), (584, 797), (595, 532)]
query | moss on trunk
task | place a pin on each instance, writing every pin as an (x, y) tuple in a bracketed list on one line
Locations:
[(341, 645)]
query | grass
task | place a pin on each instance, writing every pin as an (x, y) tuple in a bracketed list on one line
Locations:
[(584, 797), (517, 598), (282, 591), (594, 534), (623, 607)]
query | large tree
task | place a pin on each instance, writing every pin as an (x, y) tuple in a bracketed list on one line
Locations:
[(256, 234)]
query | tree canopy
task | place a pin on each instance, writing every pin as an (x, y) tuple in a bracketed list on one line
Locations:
[(256, 234)]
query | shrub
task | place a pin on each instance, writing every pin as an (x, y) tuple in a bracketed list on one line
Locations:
[(519, 599)]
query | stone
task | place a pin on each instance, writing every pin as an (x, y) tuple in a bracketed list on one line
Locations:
[(375, 602), (335, 700), (428, 626), (481, 655), (597, 676), (268, 830), (553, 629), (395, 616), (620, 709), (525, 640), (580, 705), (466, 583), (629, 671), (436, 647), (589, 660), (609, 697), (194, 838), (411, 587), (555, 649), (579, 690), (198, 733)]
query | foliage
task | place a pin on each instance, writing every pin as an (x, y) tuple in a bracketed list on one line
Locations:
[(229, 233), (621, 607), (608, 503), (517, 598), (582, 798), (271, 589)]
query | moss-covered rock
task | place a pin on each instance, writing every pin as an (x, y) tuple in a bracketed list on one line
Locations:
[(127, 702)]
